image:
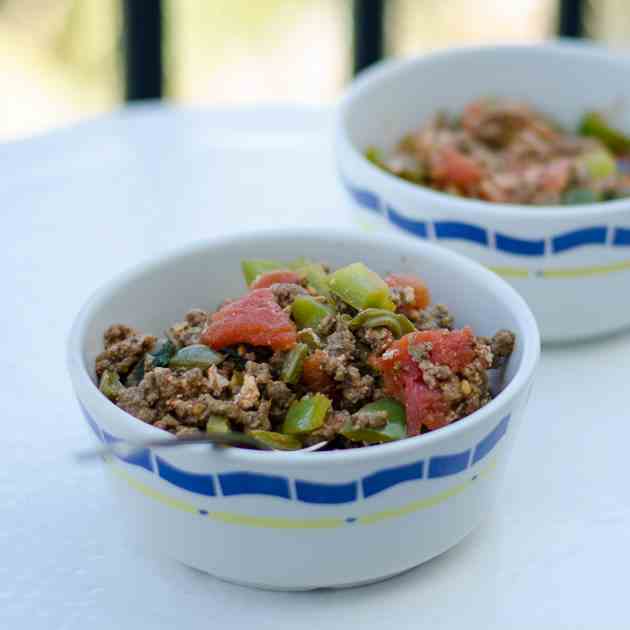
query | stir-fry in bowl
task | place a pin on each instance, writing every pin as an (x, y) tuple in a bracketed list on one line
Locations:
[(525, 172), (505, 151), (254, 516), (307, 355)]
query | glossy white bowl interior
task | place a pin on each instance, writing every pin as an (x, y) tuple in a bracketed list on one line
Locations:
[(315, 514), (554, 256)]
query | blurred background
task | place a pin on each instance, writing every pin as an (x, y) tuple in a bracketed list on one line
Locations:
[(65, 60)]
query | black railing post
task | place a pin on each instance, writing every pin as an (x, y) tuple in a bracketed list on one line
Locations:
[(368, 31), (143, 49), (571, 18)]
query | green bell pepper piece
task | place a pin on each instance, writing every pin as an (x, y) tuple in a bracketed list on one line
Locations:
[(295, 264), (196, 355), (162, 353), (594, 124), (159, 357), (373, 154), (306, 415), (310, 338), (293, 364), (218, 424), (600, 164), (110, 384), (360, 287), (278, 441), (253, 268), (414, 174), (307, 312), (316, 277), (575, 196), (395, 429), (398, 324)]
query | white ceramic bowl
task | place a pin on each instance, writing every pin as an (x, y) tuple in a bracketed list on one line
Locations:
[(306, 520), (571, 263)]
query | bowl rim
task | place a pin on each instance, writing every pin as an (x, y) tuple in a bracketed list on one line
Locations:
[(388, 68), (85, 388)]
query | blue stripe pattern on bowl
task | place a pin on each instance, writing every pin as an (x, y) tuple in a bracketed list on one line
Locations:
[(577, 238), (362, 196), (139, 457), (461, 231), (233, 483), (510, 244), (621, 237), (384, 479), (419, 228), (309, 492), (243, 482), (520, 246), (444, 465), (194, 482), (490, 441)]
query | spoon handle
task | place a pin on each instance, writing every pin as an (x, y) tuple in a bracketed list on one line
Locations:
[(221, 439)]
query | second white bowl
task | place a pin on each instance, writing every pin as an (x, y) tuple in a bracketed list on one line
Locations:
[(571, 263)]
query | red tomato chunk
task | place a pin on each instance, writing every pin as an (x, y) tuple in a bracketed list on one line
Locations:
[(421, 292), (403, 378), (451, 166), (265, 280), (256, 318), (313, 375)]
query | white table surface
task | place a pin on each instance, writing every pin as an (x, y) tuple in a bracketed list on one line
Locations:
[(78, 206)]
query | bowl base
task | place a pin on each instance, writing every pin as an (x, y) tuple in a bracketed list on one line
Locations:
[(330, 583), (301, 589)]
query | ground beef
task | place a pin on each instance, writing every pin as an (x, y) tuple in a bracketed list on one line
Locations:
[(281, 398), (502, 347), (133, 401), (217, 382), (285, 293), (377, 339), (475, 384), (342, 341), (356, 387), (260, 371), (368, 420), (245, 420), (163, 391), (188, 412), (187, 333), (188, 432), (335, 367), (168, 423), (432, 318), (277, 361), (164, 383), (249, 394), (124, 347), (402, 296), (331, 427)]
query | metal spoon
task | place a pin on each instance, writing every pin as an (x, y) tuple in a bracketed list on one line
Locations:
[(232, 438)]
